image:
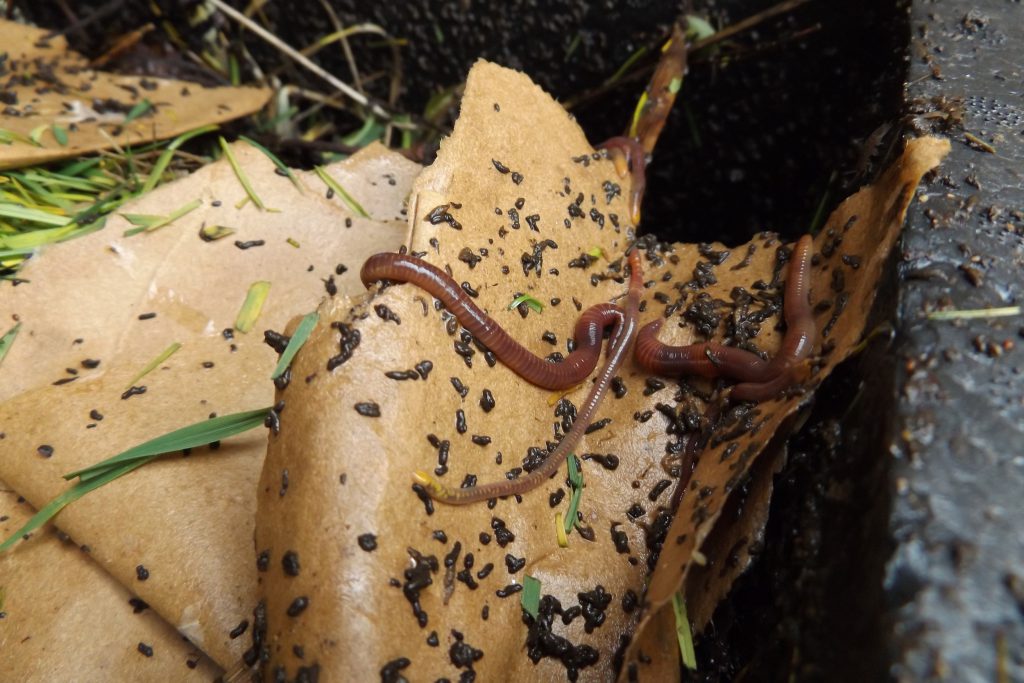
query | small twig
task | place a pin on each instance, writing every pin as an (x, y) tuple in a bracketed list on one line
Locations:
[(374, 107), (345, 47), (976, 313), (620, 78), (978, 143), (319, 146), (660, 95), (749, 22), (761, 48), (78, 24)]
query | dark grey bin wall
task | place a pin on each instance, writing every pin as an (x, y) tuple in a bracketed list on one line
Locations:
[(955, 583)]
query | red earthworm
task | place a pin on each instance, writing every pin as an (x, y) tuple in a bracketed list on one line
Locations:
[(629, 155), (621, 341), (801, 331), (759, 380), (704, 359), (576, 367)]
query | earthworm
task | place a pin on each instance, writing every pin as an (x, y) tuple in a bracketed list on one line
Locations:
[(622, 338), (801, 332), (576, 367), (704, 359), (759, 379)]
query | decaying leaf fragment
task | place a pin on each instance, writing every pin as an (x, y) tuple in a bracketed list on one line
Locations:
[(66, 619), (381, 576), (849, 252), (56, 107), (89, 299), (99, 309), (365, 576)]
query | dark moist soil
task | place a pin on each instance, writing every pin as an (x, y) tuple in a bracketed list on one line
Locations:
[(893, 548), (754, 147)]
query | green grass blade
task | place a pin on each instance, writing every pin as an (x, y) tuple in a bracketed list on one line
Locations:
[(408, 138), (683, 632), (32, 215), (234, 71), (277, 162), (23, 197), (198, 434), (60, 134), (575, 475), (138, 110), (285, 114), (439, 102), (85, 229), (148, 223), (44, 178), (818, 218), (530, 599), (20, 251), (9, 136), (626, 65), (7, 340), (35, 238), (576, 479), (76, 168), (36, 134), (253, 305), (143, 220), (302, 333), (99, 209), (48, 511), (165, 158), (370, 131), (152, 365), (177, 213), (352, 204), (37, 186), (528, 300), (240, 174)]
